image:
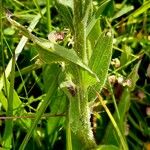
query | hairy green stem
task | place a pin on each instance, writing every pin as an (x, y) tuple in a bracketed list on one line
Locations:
[(79, 109)]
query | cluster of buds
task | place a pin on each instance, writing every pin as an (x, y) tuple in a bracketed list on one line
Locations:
[(115, 62), (124, 82)]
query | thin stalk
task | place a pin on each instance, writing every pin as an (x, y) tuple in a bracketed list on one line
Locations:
[(27, 69), (134, 123), (124, 145), (31, 116), (48, 6), (114, 101), (68, 130), (37, 6)]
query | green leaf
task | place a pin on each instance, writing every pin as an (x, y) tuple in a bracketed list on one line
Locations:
[(58, 102), (3, 100), (49, 51), (107, 147), (140, 10), (58, 106), (96, 16), (101, 56), (92, 37), (109, 9), (16, 106), (65, 11), (126, 55), (8, 134), (123, 11)]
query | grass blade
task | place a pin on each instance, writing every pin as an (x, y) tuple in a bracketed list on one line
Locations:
[(8, 133), (19, 48), (140, 10), (124, 145)]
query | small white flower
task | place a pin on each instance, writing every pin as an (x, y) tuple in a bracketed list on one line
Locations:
[(115, 62), (112, 79), (120, 80), (127, 83)]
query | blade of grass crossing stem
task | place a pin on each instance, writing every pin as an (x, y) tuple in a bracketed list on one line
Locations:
[(124, 145), (7, 138), (123, 107), (52, 89), (19, 47)]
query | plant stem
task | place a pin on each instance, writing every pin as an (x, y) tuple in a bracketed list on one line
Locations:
[(79, 109)]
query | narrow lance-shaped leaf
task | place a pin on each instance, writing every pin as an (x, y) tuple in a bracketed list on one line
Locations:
[(101, 56), (96, 16), (140, 10), (7, 138), (123, 11), (49, 51), (65, 12)]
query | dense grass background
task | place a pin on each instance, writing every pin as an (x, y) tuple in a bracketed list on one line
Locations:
[(126, 92)]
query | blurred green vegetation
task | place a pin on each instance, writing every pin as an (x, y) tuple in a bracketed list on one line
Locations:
[(36, 94)]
